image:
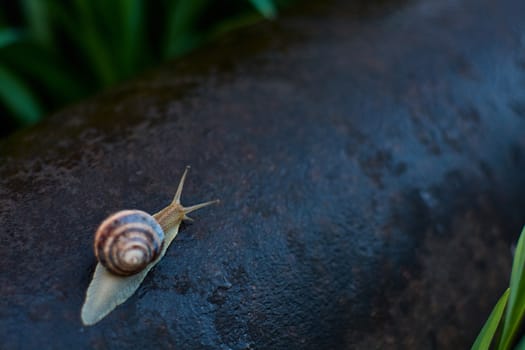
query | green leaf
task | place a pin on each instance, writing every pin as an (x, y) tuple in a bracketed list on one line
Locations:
[(17, 98), (486, 334), (9, 36), (234, 22), (38, 21), (79, 23), (266, 7), (521, 344), (120, 25), (516, 304), (181, 26), (43, 67), (131, 34)]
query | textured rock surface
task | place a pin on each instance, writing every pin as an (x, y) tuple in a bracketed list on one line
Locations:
[(370, 163)]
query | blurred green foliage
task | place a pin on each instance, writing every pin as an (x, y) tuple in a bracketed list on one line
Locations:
[(53, 52)]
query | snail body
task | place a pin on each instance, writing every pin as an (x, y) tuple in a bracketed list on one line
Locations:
[(128, 244)]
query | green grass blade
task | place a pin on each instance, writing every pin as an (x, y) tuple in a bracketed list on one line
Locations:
[(516, 304), (266, 7), (233, 23), (42, 67), (119, 25), (9, 36), (131, 31), (486, 334), (17, 98), (521, 344), (38, 21), (80, 25), (181, 27)]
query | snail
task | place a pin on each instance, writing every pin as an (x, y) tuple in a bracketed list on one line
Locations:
[(127, 245), (127, 241)]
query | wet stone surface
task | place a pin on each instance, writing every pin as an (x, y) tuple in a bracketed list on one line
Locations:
[(370, 163)]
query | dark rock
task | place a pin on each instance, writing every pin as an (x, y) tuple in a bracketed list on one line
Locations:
[(370, 160)]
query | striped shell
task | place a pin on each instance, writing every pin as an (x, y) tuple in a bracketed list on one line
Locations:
[(127, 241)]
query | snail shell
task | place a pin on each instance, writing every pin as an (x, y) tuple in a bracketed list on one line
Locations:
[(127, 241)]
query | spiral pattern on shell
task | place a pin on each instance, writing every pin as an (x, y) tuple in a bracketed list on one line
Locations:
[(127, 241)]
